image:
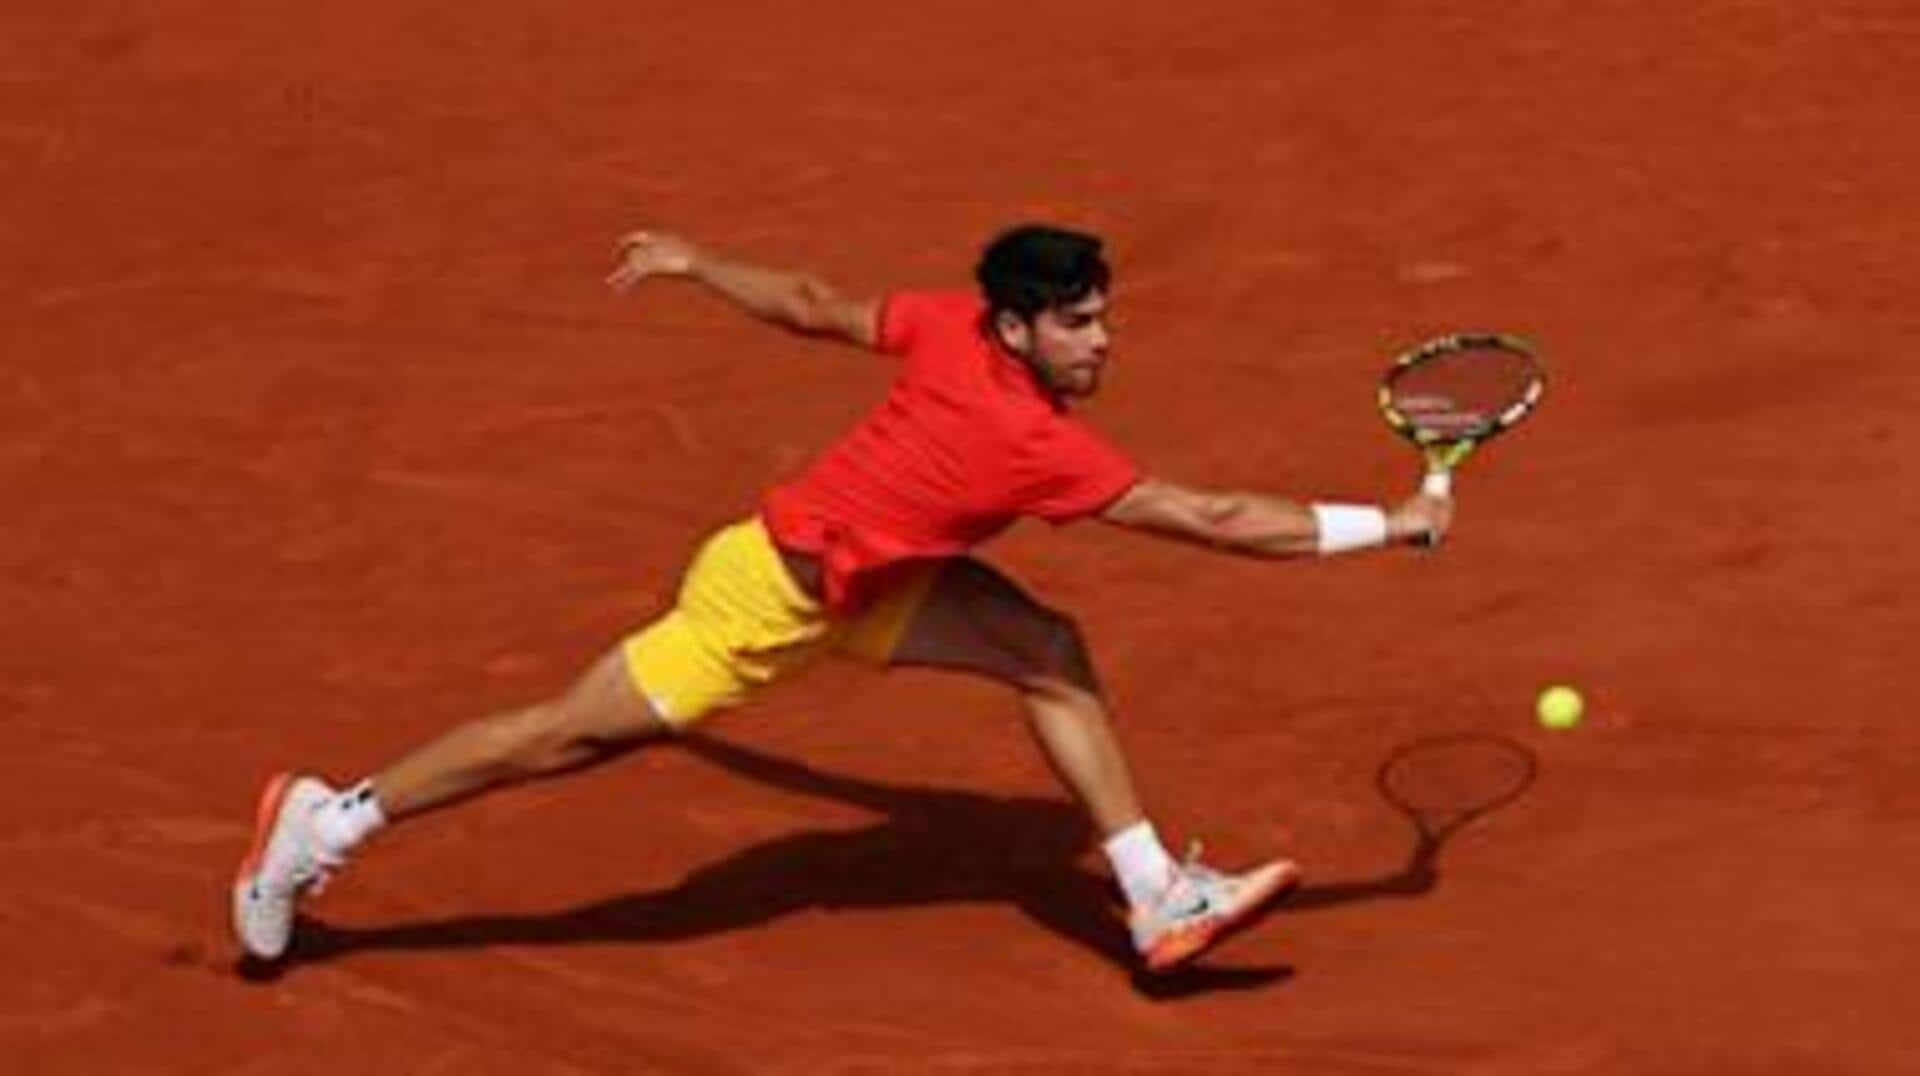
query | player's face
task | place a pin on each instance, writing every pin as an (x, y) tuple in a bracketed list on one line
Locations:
[(1068, 345)]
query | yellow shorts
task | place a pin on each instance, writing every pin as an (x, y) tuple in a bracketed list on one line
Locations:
[(741, 623)]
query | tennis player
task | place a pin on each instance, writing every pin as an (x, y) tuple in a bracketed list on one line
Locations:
[(868, 553)]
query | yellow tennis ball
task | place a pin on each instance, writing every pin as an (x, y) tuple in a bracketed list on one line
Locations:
[(1559, 707)]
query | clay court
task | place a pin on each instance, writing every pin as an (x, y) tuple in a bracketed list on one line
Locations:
[(319, 432)]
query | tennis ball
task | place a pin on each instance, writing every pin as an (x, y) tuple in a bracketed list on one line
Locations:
[(1559, 707)]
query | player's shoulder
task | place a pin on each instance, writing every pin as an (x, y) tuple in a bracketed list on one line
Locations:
[(942, 304), (911, 320)]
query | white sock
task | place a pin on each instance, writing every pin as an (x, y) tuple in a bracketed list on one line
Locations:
[(348, 818), (1140, 861)]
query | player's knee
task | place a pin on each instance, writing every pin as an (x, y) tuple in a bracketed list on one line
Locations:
[(535, 732), (509, 741), (548, 736)]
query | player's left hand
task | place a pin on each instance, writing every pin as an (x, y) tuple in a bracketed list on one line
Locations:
[(645, 254)]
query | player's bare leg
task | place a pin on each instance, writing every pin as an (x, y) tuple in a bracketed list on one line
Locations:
[(602, 717), (1077, 737), (975, 619), (305, 830)]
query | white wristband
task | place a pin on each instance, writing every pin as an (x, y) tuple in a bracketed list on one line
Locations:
[(1347, 527)]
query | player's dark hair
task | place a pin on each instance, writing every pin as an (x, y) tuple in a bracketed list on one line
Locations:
[(1036, 267)]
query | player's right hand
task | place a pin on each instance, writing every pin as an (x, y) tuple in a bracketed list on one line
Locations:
[(1420, 518), (645, 254)]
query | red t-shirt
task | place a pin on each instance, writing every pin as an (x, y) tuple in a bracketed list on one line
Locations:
[(964, 444)]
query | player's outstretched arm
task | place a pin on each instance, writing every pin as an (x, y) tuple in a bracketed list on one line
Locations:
[(798, 301), (1260, 525)]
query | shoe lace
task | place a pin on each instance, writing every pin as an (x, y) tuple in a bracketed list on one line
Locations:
[(315, 882), (1192, 869), (1188, 877), (317, 870)]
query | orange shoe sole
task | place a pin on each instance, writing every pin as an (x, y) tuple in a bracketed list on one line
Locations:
[(264, 817), (1181, 946)]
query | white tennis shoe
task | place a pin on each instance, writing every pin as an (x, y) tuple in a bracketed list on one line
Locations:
[(1202, 906), (285, 863)]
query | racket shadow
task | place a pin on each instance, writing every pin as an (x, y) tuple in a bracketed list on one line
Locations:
[(1485, 773)]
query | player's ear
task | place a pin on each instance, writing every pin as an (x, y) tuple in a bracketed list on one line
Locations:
[(1014, 332)]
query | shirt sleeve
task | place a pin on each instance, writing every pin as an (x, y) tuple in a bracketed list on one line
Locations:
[(1069, 472), (906, 315)]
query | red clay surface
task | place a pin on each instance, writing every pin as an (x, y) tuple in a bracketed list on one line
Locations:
[(320, 433)]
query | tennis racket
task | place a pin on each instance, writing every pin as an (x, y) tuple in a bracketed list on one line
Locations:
[(1442, 783), (1454, 393)]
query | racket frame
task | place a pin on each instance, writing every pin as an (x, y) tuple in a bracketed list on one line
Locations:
[(1444, 452)]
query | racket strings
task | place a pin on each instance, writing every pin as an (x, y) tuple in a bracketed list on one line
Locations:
[(1456, 779), (1458, 393)]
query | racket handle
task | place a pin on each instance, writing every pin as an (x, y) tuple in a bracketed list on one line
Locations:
[(1437, 483)]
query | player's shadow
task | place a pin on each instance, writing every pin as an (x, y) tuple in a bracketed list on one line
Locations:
[(929, 845)]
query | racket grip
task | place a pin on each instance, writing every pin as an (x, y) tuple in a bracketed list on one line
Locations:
[(1437, 483)]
